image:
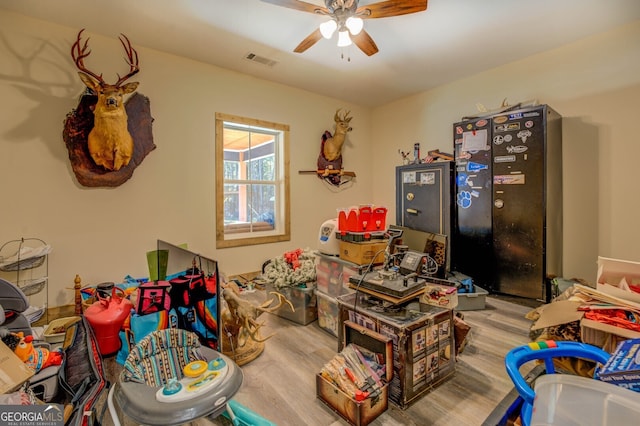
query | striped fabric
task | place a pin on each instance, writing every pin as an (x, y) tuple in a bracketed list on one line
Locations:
[(161, 356)]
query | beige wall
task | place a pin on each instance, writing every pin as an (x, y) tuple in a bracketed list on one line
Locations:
[(103, 234), (595, 85)]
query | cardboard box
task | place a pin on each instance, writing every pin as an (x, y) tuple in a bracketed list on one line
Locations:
[(13, 372), (618, 273), (363, 253), (603, 335), (358, 413), (623, 368), (440, 295), (56, 330), (612, 281)]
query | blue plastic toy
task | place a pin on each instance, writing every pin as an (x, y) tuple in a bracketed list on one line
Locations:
[(546, 351)]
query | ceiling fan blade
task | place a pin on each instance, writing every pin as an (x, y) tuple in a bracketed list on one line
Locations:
[(297, 5), (389, 8), (311, 39), (364, 41)]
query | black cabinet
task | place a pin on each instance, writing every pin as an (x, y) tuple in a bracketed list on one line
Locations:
[(508, 233), (424, 199)]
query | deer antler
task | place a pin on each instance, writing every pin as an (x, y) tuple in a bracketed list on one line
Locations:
[(132, 60), (79, 53), (253, 331), (282, 300), (344, 118)]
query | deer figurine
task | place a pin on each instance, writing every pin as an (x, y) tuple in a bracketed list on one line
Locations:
[(330, 157), (110, 144)]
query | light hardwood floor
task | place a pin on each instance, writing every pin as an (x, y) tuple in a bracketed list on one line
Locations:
[(280, 383)]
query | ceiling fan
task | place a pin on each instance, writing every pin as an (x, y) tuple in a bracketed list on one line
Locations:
[(346, 17)]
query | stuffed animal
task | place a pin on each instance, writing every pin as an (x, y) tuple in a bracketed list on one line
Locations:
[(34, 357)]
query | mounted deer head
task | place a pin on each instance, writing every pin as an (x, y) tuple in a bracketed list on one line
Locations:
[(109, 142), (332, 147)]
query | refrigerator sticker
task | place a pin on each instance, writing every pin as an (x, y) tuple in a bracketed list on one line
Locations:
[(515, 116), (507, 127), (409, 177), (504, 159), (427, 178), (531, 114), (461, 179), (459, 130), (475, 194), (508, 179), (469, 126), (518, 149), (463, 199), (523, 135), (500, 120), (498, 139), (528, 124), (475, 140), (463, 156), (457, 141), (476, 167), (481, 123), (508, 138)]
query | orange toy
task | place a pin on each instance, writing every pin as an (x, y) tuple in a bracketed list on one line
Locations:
[(35, 357)]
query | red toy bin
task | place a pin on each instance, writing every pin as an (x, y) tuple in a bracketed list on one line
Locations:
[(364, 218), (378, 220)]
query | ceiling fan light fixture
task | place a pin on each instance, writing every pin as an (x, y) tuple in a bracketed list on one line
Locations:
[(343, 39), (354, 24), (328, 28)]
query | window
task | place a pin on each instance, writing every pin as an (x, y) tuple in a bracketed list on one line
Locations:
[(252, 181)]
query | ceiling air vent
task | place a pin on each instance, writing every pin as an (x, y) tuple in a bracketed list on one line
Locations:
[(260, 59)]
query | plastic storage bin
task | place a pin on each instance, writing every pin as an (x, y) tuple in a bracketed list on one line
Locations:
[(303, 300), (472, 301), (332, 275), (563, 400), (328, 310)]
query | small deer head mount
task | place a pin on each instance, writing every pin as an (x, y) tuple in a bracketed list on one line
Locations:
[(332, 148), (109, 142)]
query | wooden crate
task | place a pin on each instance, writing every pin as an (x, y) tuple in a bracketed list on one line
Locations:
[(358, 413), (423, 344)]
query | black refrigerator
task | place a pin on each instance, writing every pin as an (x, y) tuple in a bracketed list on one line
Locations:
[(508, 189)]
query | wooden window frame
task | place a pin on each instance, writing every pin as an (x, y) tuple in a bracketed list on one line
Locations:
[(254, 236)]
